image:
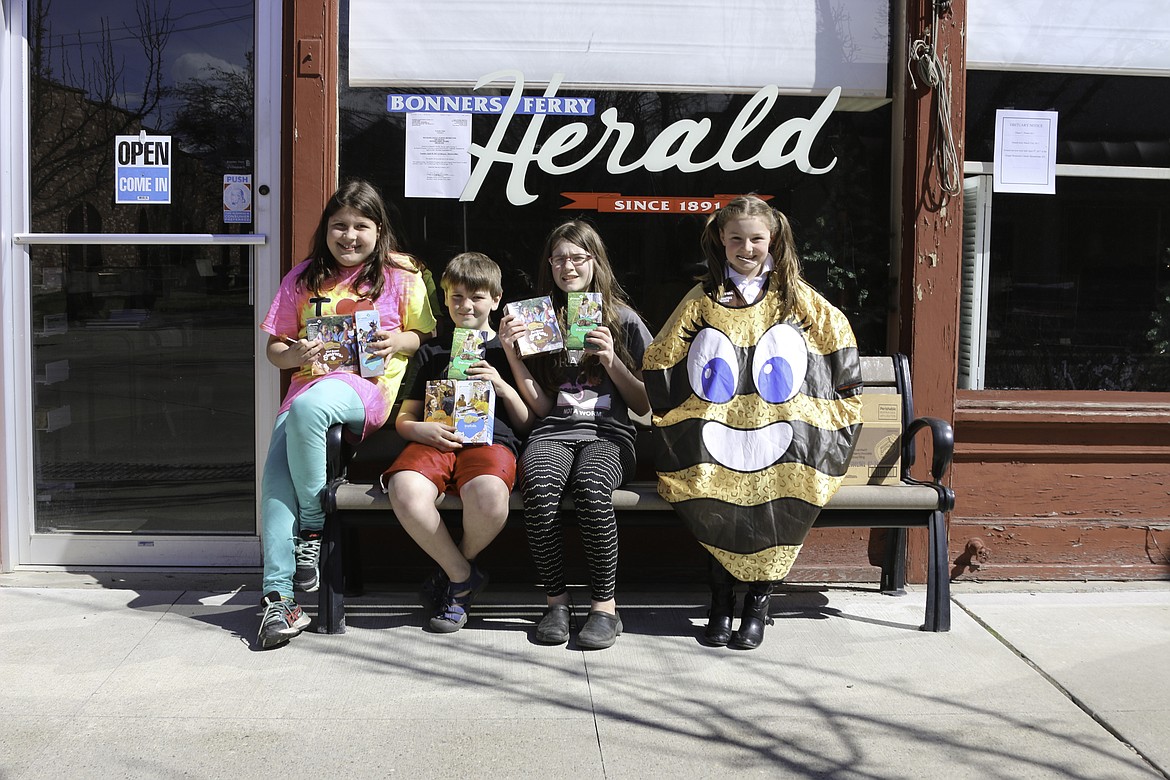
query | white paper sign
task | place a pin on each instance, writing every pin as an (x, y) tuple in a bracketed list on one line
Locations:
[(1025, 152), (237, 198), (438, 155)]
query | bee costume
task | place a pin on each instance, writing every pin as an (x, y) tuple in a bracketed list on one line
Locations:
[(757, 411)]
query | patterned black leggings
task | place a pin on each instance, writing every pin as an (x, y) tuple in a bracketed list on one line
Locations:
[(591, 470)]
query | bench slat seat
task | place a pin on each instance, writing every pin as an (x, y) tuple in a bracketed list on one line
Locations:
[(907, 504), (644, 496)]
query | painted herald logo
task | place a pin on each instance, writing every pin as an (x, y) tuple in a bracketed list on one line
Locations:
[(609, 202), (674, 147)]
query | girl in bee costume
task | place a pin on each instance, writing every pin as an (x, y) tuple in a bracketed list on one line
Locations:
[(755, 385)]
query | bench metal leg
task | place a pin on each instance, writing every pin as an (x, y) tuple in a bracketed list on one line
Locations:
[(894, 568), (938, 584), (331, 596), (355, 581)]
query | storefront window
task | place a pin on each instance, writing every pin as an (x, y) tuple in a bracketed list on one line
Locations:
[(1078, 285), (840, 217)]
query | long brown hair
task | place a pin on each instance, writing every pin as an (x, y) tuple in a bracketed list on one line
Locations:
[(784, 277), (362, 197), (584, 235)]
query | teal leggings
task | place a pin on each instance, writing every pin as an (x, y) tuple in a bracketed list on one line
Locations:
[(294, 473)]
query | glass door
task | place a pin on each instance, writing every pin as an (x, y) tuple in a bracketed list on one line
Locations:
[(151, 202)]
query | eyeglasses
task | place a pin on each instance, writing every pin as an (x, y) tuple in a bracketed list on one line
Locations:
[(577, 260)]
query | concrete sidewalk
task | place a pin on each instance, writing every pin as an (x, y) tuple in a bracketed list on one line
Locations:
[(157, 678)]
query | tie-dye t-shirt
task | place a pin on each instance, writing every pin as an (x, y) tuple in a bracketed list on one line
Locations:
[(402, 306)]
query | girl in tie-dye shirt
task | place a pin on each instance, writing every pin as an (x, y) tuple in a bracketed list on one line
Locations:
[(355, 266)]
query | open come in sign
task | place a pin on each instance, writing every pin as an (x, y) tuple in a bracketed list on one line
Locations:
[(142, 168)]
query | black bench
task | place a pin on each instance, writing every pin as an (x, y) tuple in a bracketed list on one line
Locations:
[(908, 503)]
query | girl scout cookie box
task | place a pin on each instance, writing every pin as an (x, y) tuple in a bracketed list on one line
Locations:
[(877, 456)]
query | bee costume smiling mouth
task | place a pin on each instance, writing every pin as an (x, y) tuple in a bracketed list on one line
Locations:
[(756, 415)]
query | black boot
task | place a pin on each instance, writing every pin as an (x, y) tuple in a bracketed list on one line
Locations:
[(722, 585), (755, 617)]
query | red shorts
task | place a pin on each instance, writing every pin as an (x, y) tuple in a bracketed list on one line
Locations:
[(450, 471)]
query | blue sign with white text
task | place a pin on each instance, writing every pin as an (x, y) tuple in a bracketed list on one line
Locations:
[(488, 104), (143, 185)]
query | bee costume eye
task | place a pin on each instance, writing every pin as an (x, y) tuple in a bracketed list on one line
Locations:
[(779, 364), (712, 366)]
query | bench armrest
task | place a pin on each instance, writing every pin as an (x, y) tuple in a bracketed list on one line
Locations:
[(943, 448)]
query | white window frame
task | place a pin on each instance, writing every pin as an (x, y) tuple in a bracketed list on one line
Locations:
[(977, 195)]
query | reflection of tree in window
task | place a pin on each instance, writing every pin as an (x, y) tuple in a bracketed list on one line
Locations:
[(214, 122), (80, 101), (90, 85)]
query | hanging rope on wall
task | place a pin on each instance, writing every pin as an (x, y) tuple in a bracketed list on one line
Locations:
[(923, 57)]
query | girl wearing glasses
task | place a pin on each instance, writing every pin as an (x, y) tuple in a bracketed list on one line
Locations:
[(583, 440)]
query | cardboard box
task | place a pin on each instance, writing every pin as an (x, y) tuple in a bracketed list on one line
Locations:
[(877, 457)]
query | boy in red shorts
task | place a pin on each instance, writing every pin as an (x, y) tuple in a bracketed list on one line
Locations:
[(434, 461)]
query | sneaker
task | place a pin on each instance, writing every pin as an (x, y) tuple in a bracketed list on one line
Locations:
[(282, 620), (307, 550), (452, 612)]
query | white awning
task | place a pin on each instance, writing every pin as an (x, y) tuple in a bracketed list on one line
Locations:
[(804, 47), (1130, 37)]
